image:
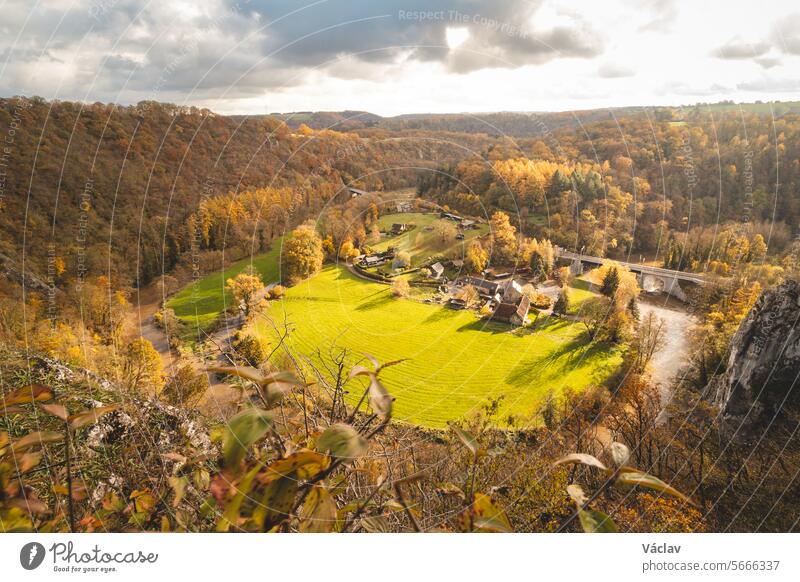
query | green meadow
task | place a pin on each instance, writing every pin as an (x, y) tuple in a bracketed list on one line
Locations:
[(420, 244), (456, 362), (200, 304)]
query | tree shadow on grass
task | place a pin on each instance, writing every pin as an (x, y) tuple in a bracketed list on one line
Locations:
[(568, 355), (441, 314), (379, 299), (543, 324), (305, 298), (487, 326)]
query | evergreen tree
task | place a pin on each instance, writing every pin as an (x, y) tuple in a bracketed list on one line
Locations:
[(562, 303), (610, 283), (633, 308), (537, 263)]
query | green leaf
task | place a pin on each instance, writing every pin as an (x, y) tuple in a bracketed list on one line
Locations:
[(242, 431), (467, 439), (319, 511), (581, 459), (232, 515), (596, 521), (342, 441), (633, 477)]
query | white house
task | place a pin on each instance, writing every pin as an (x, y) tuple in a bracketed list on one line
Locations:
[(512, 291)]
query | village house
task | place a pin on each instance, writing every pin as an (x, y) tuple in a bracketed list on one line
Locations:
[(511, 291), (377, 259), (355, 192), (451, 216), (437, 270), (456, 303), (513, 313), (482, 286)]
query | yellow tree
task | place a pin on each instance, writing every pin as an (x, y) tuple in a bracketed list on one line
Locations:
[(244, 287), (348, 251), (504, 238), (302, 254), (142, 366), (476, 258)]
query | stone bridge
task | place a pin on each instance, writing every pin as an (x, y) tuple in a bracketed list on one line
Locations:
[(650, 279)]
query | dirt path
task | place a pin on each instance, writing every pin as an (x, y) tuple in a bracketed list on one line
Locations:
[(220, 398), (668, 361)]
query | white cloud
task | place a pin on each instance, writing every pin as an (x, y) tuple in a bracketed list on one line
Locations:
[(278, 55)]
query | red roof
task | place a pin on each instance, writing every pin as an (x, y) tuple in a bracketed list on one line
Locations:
[(505, 311)]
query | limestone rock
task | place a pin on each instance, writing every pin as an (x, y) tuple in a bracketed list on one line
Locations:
[(763, 369)]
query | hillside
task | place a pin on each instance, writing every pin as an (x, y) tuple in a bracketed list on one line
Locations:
[(514, 124), (101, 188)]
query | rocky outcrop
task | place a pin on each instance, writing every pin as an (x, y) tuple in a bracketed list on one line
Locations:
[(763, 372), (11, 271)]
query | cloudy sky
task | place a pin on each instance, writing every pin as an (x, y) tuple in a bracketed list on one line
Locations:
[(401, 56)]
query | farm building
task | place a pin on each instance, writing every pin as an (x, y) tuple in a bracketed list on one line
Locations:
[(451, 216), (482, 286), (511, 290), (377, 259), (355, 192), (513, 313), (398, 228), (456, 303), (437, 270), (373, 261)]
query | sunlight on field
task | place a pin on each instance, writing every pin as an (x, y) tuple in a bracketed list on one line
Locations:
[(456, 361), (200, 305), (418, 242)]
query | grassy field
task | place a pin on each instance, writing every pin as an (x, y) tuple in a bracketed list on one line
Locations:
[(579, 291), (199, 305), (456, 362), (419, 244)]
